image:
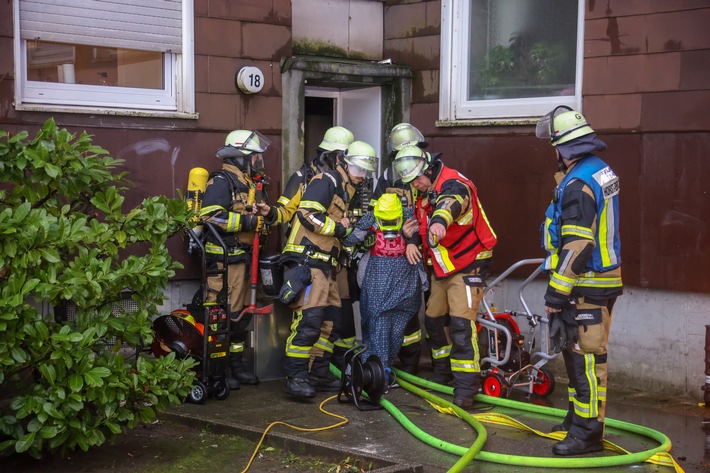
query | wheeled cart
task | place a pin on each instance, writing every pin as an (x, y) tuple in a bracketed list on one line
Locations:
[(510, 362)]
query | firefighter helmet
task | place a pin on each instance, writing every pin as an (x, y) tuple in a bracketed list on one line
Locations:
[(244, 149), (336, 138), (403, 135), (411, 162), (362, 156), (388, 214), (562, 125)]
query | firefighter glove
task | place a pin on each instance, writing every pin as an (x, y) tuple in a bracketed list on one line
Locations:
[(370, 240), (563, 329), (248, 222)]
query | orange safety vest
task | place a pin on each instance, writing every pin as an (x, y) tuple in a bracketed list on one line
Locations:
[(468, 238)]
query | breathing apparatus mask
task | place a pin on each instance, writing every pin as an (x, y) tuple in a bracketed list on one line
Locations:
[(389, 216), (361, 159)]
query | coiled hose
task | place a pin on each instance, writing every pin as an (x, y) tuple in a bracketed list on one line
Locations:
[(410, 382)]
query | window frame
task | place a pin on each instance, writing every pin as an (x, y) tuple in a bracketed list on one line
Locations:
[(176, 99), (455, 108)]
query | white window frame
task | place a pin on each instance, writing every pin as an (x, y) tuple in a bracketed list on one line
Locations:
[(454, 106), (176, 99)]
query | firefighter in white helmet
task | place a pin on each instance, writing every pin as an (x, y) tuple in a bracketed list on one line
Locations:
[(226, 205), (581, 237), (314, 249), (457, 241)]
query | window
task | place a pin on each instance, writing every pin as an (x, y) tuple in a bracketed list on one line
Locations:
[(116, 56), (509, 60)]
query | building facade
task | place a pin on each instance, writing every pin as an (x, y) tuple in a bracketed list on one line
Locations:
[(159, 83)]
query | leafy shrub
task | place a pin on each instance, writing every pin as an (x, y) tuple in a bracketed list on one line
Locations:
[(64, 238)]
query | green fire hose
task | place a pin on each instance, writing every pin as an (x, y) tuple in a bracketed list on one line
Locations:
[(409, 382)]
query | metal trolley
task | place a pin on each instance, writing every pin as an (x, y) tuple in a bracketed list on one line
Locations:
[(511, 362)]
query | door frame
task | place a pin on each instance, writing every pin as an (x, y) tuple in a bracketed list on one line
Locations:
[(297, 72)]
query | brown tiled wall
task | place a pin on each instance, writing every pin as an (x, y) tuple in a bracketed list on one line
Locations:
[(646, 91)]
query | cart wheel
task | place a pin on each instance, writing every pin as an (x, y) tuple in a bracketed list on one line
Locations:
[(198, 394), (543, 382), (220, 390), (495, 385)]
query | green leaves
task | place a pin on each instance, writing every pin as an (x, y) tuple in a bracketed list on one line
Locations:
[(62, 284)]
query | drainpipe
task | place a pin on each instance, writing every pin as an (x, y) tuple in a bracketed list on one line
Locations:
[(706, 388)]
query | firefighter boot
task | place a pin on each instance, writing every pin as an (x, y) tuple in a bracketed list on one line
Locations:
[(583, 436), (464, 361), (319, 376), (411, 350), (239, 371), (565, 424), (440, 349)]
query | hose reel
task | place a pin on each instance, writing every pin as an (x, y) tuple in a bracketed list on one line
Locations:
[(358, 378)]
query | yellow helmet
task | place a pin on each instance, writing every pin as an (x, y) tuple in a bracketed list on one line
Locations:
[(388, 213), (361, 155), (403, 135), (562, 125), (411, 162), (336, 138)]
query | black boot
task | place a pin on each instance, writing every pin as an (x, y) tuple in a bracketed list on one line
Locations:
[(583, 436), (319, 376), (239, 369), (565, 424), (436, 336), (231, 380), (299, 387), (467, 384)]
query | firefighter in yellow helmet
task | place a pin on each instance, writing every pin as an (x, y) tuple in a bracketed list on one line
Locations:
[(581, 237), (457, 242), (330, 151), (312, 254), (401, 135), (225, 205)]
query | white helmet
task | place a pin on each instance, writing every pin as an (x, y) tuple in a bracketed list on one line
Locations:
[(336, 138), (411, 162), (362, 156), (562, 125), (403, 135), (243, 143)]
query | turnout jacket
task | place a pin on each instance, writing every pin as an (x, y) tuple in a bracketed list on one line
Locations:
[(316, 233), (581, 234), (285, 207), (453, 202), (225, 206)]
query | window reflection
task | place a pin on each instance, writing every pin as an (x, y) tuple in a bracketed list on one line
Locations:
[(94, 65)]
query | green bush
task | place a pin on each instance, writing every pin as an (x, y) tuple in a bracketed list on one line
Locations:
[(64, 238)]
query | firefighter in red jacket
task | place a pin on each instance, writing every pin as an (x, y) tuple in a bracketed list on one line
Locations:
[(457, 241)]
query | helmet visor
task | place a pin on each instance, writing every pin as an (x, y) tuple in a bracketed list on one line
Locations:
[(403, 135), (255, 143), (410, 167), (542, 130), (356, 171)]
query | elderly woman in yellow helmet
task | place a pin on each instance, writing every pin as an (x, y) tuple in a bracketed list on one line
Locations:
[(391, 287)]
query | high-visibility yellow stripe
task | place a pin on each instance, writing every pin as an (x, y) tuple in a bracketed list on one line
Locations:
[(576, 230), (445, 214), (312, 205), (441, 255), (441, 353), (412, 338), (604, 235)]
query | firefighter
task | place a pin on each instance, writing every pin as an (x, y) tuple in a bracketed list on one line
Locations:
[(403, 134), (227, 205), (329, 153), (581, 237), (315, 245), (457, 241)]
